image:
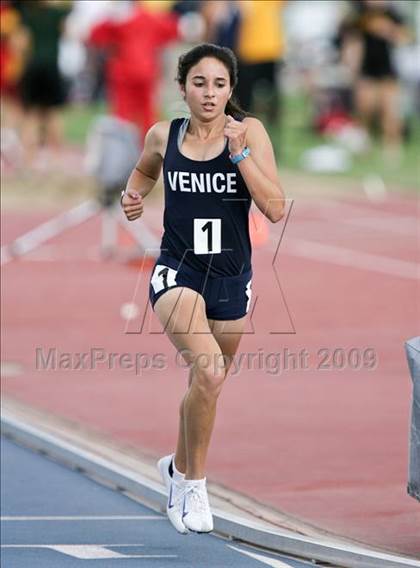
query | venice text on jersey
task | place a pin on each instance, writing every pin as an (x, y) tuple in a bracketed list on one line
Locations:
[(202, 182)]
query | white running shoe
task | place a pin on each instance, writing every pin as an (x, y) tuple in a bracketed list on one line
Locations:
[(176, 495), (196, 513), (163, 466)]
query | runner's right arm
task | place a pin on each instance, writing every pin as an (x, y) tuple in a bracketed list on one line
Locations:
[(145, 174)]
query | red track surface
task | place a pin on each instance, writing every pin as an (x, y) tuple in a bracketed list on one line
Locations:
[(328, 446)]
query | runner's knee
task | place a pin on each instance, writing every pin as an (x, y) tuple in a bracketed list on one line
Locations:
[(209, 373)]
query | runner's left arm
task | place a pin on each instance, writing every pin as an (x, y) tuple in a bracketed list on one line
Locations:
[(259, 169)]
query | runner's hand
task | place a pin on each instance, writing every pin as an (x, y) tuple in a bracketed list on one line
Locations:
[(235, 131), (132, 204)]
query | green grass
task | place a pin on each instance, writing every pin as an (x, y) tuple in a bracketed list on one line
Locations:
[(291, 140), (295, 136), (78, 119)]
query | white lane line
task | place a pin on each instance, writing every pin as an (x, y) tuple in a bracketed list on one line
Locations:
[(273, 562), (370, 223), (88, 518), (349, 257), (87, 551), (45, 231), (408, 228), (90, 551), (361, 211), (112, 545), (376, 220)]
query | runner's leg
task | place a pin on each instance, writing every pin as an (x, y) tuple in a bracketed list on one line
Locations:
[(390, 116), (182, 314), (228, 335)]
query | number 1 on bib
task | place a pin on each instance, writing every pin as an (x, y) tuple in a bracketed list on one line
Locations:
[(207, 236)]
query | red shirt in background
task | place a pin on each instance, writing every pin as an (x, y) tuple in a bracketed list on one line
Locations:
[(133, 67), (135, 44)]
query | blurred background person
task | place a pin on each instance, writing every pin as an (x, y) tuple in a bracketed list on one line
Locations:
[(133, 44), (12, 44), (84, 67), (42, 88), (374, 28), (260, 49), (12, 49), (222, 19)]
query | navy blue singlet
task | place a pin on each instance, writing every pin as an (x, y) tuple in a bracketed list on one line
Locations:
[(206, 210)]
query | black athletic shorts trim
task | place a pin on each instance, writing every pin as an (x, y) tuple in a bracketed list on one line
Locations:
[(226, 297)]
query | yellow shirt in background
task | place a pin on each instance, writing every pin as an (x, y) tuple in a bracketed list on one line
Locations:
[(261, 36), (157, 5)]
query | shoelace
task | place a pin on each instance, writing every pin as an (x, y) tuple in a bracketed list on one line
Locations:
[(197, 499)]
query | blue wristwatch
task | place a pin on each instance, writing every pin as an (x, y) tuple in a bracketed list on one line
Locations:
[(239, 157)]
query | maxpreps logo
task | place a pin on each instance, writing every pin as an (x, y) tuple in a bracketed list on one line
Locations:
[(53, 359)]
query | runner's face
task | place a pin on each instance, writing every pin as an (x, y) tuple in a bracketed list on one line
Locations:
[(207, 89)]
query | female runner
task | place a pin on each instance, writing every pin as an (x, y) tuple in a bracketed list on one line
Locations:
[(214, 163)]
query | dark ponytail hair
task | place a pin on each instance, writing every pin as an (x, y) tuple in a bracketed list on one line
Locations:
[(225, 56)]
